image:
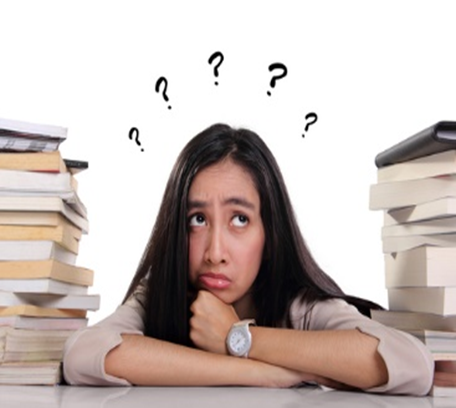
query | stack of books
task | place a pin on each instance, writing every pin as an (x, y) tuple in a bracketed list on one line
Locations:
[(416, 190), (43, 292)]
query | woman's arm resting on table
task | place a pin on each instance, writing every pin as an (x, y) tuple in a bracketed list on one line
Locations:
[(346, 356), (146, 361)]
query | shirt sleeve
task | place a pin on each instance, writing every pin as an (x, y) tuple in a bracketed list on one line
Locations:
[(409, 362), (85, 351)]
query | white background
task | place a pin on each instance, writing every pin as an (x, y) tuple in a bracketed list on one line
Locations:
[(375, 72)]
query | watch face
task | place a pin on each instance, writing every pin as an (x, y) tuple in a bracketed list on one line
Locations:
[(238, 342)]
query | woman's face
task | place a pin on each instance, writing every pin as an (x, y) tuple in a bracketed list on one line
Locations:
[(226, 234)]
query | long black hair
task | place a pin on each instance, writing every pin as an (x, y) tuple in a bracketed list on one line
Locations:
[(288, 270)]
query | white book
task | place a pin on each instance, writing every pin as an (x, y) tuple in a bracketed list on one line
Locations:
[(428, 227), (35, 203), (42, 285), (404, 243), (7, 126), (438, 300), (422, 266), (18, 250), (44, 323), (70, 301), (441, 208), (397, 194)]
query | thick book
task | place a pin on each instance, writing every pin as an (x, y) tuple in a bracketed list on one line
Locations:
[(19, 135), (42, 285), (46, 269), (384, 196), (35, 251), (414, 320), (44, 323), (438, 300), (437, 138), (428, 227), (84, 302), (407, 242), (32, 345), (49, 162), (437, 209), (32, 373), (69, 238), (425, 266), (20, 204), (438, 164)]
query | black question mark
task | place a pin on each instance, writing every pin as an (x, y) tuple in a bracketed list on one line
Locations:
[(312, 115), (277, 65), (215, 55), (157, 88), (134, 133)]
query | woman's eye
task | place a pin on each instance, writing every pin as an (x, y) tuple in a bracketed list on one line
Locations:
[(240, 221), (197, 220)]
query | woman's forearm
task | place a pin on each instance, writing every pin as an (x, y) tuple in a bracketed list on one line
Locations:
[(346, 356), (146, 361)]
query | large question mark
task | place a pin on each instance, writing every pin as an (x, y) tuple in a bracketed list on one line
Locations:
[(308, 116), (134, 132), (157, 88), (215, 55), (275, 78)]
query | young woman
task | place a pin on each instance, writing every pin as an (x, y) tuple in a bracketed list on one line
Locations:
[(227, 293)]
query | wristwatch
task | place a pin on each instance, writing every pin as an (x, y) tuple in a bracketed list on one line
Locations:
[(239, 339)]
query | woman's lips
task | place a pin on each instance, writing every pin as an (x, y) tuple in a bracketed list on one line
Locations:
[(214, 280)]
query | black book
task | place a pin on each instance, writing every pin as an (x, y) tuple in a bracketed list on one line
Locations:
[(434, 139)]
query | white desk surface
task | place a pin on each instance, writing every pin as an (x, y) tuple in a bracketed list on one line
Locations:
[(223, 397)]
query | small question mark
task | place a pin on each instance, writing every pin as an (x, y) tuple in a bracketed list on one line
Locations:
[(134, 132), (277, 65), (157, 88), (215, 55), (308, 116)]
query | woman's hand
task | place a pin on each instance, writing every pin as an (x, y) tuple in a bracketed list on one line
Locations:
[(211, 321)]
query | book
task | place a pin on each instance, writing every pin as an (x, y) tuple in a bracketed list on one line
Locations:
[(37, 182), (46, 269), (35, 251), (42, 285), (18, 135), (422, 266), (31, 373), (438, 300), (441, 208), (437, 138), (76, 166), (383, 196), (43, 204), (442, 344), (424, 167), (404, 243), (32, 345), (67, 237), (44, 323), (414, 320), (85, 302), (36, 311), (51, 162), (428, 227), (30, 183)]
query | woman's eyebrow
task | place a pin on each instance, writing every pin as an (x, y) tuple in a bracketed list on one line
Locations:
[(241, 201)]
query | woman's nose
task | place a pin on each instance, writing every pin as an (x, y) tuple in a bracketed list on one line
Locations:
[(216, 248)]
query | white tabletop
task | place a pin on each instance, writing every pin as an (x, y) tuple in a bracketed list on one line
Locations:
[(220, 397)]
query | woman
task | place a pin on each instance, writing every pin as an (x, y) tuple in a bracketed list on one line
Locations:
[(226, 273)]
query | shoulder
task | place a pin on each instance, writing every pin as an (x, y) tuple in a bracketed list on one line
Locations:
[(325, 314)]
